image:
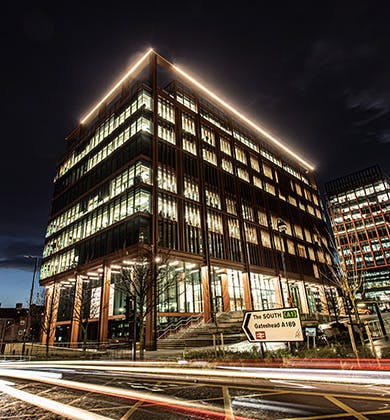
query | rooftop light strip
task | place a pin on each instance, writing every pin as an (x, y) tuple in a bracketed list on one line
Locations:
[(117, 85), (241, 116)]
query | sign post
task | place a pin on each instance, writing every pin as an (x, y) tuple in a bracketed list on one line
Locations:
[(273, 325)]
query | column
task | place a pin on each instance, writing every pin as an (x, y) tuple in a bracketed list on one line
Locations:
[(104, 303), (151, 312), (76, 312), (324, 302), (207, 309), (225, 292), (51, 310), (247, 292), (303, 297), (279, 299)]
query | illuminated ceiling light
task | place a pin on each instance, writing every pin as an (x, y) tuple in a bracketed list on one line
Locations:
[(92, 274), (189, 266), (116, 86), (115, 272), (72, 280), (241, 116), (118, 267), (174, 263), (128, 262), (100, 270)]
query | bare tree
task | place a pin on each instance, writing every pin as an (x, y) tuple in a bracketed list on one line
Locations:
[(49, 297), (350, 286), (144, 282)]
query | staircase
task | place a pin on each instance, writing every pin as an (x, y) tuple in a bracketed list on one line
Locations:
[(201, 333)]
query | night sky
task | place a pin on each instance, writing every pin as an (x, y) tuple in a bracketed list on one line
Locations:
[(315, 74)]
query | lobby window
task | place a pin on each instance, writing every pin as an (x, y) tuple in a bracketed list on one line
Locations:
[(214, 222), (231, 206), (267, 171), (240, 155), (213, 199), (186, 101), (192, 215), (189, 144), (191, 189), (166, 179), (234, 228), (167, 207), (243, 174), (188, 124), (165, 110), (225, 146), (207, 135), (166, 132), (227, 166)]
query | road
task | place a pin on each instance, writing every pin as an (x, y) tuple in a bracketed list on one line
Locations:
[(118, 390)]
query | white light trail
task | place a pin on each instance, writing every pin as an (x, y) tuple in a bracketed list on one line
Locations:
[(117, 85), (114, 391), (62, 410)]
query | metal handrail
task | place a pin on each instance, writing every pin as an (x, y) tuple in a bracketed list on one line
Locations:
[(179, 325)]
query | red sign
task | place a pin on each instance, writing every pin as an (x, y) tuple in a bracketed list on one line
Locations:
[(260, 335)]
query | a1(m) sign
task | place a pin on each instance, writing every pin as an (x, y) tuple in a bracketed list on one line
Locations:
[(273, 325)]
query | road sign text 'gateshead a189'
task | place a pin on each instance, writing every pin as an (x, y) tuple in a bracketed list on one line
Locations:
[(273, 325)]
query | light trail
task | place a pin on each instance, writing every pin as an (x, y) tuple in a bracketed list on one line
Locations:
[(61, 409), (168, 402), (321, 375)]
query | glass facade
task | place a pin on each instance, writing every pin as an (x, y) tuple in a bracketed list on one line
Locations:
[(162, 167)]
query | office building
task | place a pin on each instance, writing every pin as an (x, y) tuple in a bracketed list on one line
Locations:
[(163, 162), (359, 208)]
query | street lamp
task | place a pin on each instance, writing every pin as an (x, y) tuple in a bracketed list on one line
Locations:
[(282, 228), (36, 259)]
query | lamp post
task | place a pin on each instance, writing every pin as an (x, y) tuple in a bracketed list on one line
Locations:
[(28, 326), (282, 228)]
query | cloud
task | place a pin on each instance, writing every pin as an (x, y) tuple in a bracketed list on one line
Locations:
[(14, 249)]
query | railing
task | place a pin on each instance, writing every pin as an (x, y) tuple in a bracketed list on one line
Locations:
[(175, 326)]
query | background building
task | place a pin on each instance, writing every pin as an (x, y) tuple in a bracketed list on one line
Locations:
[(162, 162), (359, 207)]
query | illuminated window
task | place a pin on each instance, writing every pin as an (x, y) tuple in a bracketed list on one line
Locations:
[(166, 179), (189, 144), (213, 199), (234, 228), (298, 231), (227, 166), (188, 124), (247, 212), (192, 215), (267, 171), (207, 135), (301, 250), (225, 146), (166, 132), (167, 207), (231, 206), (255, 163), (243, 174), (257, 182), (240, 155), (265, 239), (165, 110), (210, 156), (292, 200), (290, 247), (250, 233), (262, 215), (186, 101), (245, 140), (269, 188), (214, 222), (191, 189)]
